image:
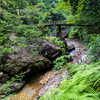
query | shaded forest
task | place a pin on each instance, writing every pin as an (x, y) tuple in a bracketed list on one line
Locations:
[(21, 38)]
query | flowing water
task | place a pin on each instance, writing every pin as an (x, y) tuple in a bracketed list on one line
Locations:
[(42, 81), (32, 88)]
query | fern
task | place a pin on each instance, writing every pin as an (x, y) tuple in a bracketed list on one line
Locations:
[(80, 86)]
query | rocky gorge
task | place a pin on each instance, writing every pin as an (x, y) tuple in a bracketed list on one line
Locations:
[(20, 63), (42, 80)]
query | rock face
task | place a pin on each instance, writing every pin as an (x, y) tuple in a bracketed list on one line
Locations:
[(23, 61), (4, 77), (82, 59), (50, 51), (20, 61), (65, 33)]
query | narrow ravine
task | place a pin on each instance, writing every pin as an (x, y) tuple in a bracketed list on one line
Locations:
[(40, 83)]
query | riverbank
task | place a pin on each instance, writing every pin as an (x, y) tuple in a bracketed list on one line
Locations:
[(40, 83)]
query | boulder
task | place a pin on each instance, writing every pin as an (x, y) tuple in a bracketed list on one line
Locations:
[(21, 61), (17, 62), (70, 48), (50, 51)]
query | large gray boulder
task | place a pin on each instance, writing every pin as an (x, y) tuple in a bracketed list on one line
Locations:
[(21, 61), (50, 51)]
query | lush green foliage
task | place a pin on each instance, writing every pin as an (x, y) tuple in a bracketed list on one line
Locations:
[(54, 40), (83, 85), (94, 46), (83, 12), (60, 61), (15, 33)]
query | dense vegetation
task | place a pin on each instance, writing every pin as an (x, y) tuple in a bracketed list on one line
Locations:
[(20, 17), (83, 85)]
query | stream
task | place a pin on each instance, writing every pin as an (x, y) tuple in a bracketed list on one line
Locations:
[(40, 83)]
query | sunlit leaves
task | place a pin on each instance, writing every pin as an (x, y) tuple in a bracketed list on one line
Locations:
[(63, 6)]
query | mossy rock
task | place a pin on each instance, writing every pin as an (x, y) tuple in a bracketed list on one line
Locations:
[(29, 64)]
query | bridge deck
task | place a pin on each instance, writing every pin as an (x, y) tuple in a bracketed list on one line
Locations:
[(60, 23)]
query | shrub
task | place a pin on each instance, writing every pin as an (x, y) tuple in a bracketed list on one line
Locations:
[(60, 61), (94, 46)]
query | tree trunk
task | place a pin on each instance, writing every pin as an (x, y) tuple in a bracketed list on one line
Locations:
[(0, 9), (19, 16)]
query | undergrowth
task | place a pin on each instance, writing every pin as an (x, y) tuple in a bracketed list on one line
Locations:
[(60, 61), (93, 44), (83, 84)]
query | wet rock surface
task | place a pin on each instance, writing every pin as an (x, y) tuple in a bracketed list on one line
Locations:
[(79, 54), (53, 82), (32, 88)]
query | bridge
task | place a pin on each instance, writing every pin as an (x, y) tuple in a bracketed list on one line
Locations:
[(59, 24)]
